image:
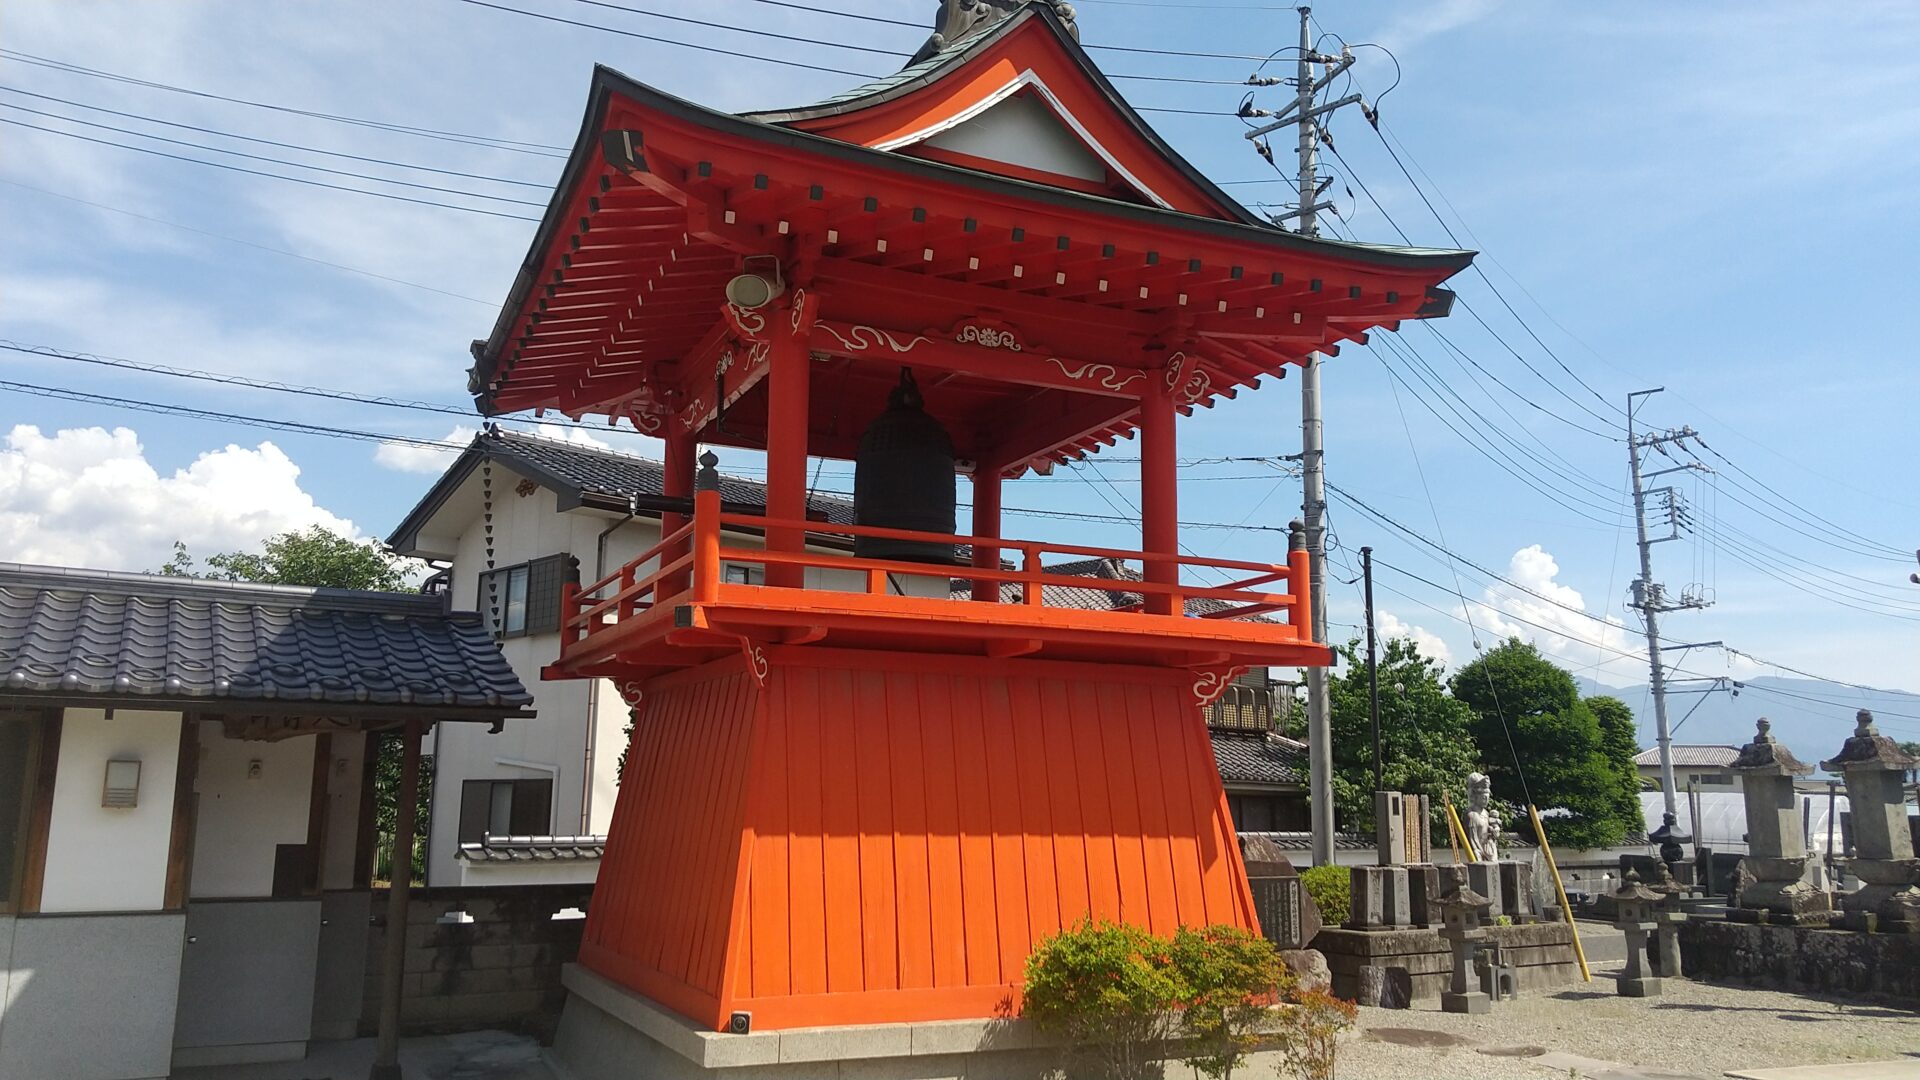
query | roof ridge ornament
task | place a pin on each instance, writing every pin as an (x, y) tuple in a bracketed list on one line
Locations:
[(959, 20)]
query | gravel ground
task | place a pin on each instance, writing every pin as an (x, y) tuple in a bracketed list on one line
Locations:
[(1693, 1030)]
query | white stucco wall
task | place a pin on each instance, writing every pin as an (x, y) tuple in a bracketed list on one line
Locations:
[(111, 860), (580, 731), (241, 820), (348, 752)]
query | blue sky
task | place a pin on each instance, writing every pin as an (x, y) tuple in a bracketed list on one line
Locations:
[(1715, 199)]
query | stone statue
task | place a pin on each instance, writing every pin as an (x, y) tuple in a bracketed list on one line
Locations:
[(1483, 821)]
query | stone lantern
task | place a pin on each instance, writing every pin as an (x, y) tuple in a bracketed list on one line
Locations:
[(1883, 859), (1636, 904), (1776, 846), (1462, 926)]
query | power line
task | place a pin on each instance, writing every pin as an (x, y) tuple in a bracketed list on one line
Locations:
[(545, 17), (245, 243), (272, 175), (261, 157), (264, 142), (922, 28), (484, 141)]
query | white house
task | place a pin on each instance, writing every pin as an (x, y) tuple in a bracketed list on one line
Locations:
[(186, 810), (511, 520), (1706, 767)]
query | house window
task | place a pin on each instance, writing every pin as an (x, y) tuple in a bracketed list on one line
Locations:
[(17, 739), (505, 808), (525, 598), (1267, 813), (738, 574)]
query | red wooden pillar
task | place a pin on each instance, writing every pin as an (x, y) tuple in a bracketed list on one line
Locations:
[(986, 522), (787, 409), (677, 484), (1159, 498)]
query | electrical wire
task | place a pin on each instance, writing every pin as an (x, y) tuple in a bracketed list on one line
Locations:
[(543, 186), (483, 141), (261, 157), (276, 176), (246, 243)]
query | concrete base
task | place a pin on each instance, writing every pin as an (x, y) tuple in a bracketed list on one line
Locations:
[(1472, 1002), (610, 1033), (196, 1057), (1645, 986), (1542, 956)]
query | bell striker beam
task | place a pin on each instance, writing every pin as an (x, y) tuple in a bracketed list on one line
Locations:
[(787, 412), (1159, 499), (677, 483), (986, 522)]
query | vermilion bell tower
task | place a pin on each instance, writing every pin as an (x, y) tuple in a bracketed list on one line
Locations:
[(853, 794)]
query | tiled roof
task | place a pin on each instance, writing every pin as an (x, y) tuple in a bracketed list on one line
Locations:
[(1255, 757), (93, 633), (1692, 755), (590, 470), (523, 849), (585, 474)]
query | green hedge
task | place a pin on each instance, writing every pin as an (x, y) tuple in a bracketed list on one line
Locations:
[(1331, 889)]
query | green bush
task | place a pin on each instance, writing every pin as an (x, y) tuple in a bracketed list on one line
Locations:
[(1230, 977), (1110, 990), (1117, 994), (1330, 887)]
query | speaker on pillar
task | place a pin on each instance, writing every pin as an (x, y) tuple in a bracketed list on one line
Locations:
[(903, 478)]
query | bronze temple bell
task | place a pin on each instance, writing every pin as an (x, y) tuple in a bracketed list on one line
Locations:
[(903, 478)]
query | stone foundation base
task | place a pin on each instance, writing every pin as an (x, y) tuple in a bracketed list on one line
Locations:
[(1645, 986), (1541, 954), (1803, 958), (610, 1033)]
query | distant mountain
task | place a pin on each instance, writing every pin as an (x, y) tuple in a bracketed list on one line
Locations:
[(1810, 716)]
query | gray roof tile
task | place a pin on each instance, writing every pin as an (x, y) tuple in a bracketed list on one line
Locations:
[(103, 633), (1255, 757)]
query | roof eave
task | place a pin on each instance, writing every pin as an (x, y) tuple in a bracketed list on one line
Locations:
[(607, 82)]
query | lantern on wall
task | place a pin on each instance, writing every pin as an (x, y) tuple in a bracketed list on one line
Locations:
[(903, 478)]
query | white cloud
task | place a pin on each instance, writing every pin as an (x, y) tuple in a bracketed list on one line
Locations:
[(1554, 616), (1431, 646), (88, 497), (418, 458)]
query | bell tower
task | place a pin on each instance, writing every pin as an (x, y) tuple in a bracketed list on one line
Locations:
[(867, 778)]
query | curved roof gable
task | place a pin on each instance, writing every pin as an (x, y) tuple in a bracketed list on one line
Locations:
[(1021, 100)]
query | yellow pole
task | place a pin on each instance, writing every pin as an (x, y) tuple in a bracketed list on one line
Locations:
[(1566, 909), (1456, 832)]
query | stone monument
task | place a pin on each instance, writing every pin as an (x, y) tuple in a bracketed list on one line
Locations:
[(1668, 916), (1462, 912), (1883, 858), (1635, 903), (1776, 847), (1483, 821)]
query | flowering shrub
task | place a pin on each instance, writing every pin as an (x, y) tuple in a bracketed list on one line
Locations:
[(1311, 1031), (1230, 978), (1109, 989)]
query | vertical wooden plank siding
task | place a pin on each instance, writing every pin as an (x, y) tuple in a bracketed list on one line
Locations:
[(877, 837), (807, 888)]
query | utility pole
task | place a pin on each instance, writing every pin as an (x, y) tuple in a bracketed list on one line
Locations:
[(1373, 667), (1651, 598), (1305, 115)]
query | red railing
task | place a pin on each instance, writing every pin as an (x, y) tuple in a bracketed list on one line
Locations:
[(687, 566)]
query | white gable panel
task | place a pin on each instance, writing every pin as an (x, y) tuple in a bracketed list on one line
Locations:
[(1021, 130)]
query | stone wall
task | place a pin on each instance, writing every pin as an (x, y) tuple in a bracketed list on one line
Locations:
[(1542, 954), (1802, 958), (499, 970)]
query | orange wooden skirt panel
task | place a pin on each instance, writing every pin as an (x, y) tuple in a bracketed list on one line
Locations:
[(878, 837)]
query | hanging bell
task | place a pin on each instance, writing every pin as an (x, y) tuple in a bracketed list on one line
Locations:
[(903, 478)]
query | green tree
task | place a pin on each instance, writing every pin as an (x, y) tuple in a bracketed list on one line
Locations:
[(322, 559), (315, 557), (1426, 737), (1620, 742), (1528, 715)]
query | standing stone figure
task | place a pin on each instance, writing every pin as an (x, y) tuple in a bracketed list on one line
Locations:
[(1483, 821)]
